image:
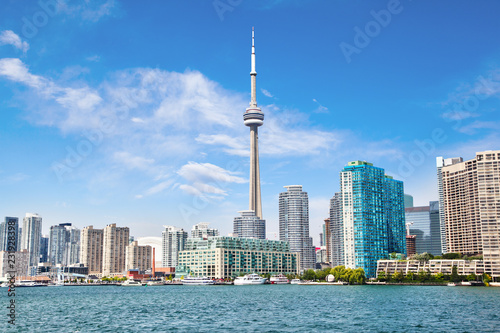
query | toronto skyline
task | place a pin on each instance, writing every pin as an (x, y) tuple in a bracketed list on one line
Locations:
[(115, 112)]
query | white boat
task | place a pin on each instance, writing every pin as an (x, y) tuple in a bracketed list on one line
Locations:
[(28, 283), (295, 281), (131, 283), (5, 284), (279, 279), (466, 283), (249, 279), (451, 284), (197, 281), (154, 283)]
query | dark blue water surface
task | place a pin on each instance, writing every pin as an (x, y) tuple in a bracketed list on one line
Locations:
[(266, 308)]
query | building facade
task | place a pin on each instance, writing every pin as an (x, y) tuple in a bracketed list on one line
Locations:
[(425, 225), (91, 248), (336, 230), (57, 243), (372, 216), (44, 248), (114, 244), (20, 266), (327, 242), (173, 241), (9, 228), (138, 257), (471, 197), (248, 225), (201, 230), (440, 163), (444, 266), (32, 232), (227, 257), (294, 224)]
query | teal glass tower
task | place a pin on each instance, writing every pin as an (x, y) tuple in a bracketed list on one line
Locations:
[(373, 216)]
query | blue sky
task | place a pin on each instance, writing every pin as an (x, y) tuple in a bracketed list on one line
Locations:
[(131, 113)]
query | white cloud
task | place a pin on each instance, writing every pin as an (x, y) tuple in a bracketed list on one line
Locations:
[(266, 93), (8, 37), (459, 115), (94, 58), (320, 108), (91, 11), (133, 162), (479, 125)]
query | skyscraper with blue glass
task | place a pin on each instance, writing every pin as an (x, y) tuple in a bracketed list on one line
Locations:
[(373, 216)]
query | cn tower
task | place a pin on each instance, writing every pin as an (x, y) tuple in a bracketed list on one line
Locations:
[(253, 118)]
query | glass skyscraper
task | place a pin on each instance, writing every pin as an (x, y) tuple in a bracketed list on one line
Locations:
[(425, 225), (373, 218)]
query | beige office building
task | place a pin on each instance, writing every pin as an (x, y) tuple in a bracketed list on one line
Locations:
[(471, 193), (91, 241), (115, 242), (138, 257)]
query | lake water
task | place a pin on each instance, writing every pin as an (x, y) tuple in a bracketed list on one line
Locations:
[(266, 308)]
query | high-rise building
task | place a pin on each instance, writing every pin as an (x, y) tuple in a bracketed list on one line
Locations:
[(294, 224), (327, 240), (336, 231), (408, 201), (9, 228), (44, 248), (471, 200), (19, 238), (440, 163), (18, 268), (138, 257), (424, 224), (72, 248), (57, 243), (173, 241), (114, 244), (253, 118), (32, 231), (248, 225), (91, 248), (372, 216), (201, 230)]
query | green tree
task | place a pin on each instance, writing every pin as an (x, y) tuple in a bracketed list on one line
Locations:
[(410, 276), (309, 274), (454, 274), (439, 277), (397, 276), (357, 276), (486, 278), (422, 275), (382, 276), (337, 272), (471, 277), (452, 256)]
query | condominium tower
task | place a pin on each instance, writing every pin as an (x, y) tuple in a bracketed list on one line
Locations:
[(294, 224), (201, 230), (32, 231), (91, 249), (173, 241), (471, 198), (423, 222), (336, 231), (115, 241), (138, 257), (373, 218), (9, 228)]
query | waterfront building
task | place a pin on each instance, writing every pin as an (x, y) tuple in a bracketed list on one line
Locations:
[(201, 230), (72, 247), (173, 241), (471, 200), (336, 230), (138, 257), (372, 216), (408, 201), (91, 248), (57, 243), (327, 240), (424, 223), (440, 163), (227, 257), (294, 224), (115, 241), (435, 266), (411, 247), (9, 227), (21, 263), (248, 225), (321, 256), (44, 248), (32, 231)]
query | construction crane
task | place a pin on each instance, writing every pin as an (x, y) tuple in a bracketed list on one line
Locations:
[(408, 224)]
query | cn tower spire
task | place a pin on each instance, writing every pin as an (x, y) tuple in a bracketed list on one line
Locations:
[(253, 74), (253, 118)]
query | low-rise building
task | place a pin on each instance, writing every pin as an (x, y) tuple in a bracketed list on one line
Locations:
[(444, 266), (227, 257)]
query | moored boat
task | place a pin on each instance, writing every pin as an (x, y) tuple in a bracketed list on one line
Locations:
[(197, 281), (279, 279), (249, 279), (131, 283), (295, 281)]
